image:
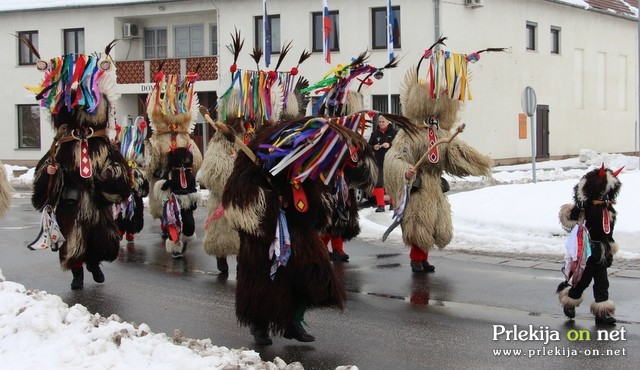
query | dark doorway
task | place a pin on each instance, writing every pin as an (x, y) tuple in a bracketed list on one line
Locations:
[(542, 131)]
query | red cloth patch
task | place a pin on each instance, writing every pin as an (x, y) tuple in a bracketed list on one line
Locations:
[(299, 198)]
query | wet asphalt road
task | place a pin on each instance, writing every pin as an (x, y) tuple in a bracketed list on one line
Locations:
[(393, 319)]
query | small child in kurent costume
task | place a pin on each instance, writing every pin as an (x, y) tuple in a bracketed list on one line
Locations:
[(432, 105), (77, 183), (285, 102), (590, 248), (172, 107), (130, 212)]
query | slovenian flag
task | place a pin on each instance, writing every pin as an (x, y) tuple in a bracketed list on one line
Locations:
[(266, 35), (326, 27), (390, 28)]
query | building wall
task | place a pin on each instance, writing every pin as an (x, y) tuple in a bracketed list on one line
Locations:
[(599, 43)]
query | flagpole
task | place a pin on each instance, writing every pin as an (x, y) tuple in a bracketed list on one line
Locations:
[(390, 53)]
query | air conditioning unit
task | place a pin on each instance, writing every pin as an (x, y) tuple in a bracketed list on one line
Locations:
[(130, 30), (473, 3)]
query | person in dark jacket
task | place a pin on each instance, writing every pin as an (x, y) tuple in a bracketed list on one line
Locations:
[(380, 140)]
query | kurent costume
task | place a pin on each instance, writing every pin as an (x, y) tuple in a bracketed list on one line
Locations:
[(172, 107), (5, 191), (277, 99), (277, 208), (337, 100), (590, 248), (77, 183), (130, 212), (432, 105)]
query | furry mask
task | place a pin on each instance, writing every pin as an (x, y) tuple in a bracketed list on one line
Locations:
[(173, 103), (598, 184)]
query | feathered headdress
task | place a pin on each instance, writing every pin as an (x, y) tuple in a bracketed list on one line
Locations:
[(447, 72), (334, 87), (256, 98), (75, 81)]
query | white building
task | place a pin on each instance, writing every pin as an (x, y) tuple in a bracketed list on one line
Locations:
[(580, 56)]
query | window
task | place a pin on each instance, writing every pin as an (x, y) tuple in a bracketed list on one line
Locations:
[(531, 36), (24, 54), (213, 39), (381, 103), (318, 26), (274, 22), (29, 126), (379, 21), (155, 43), (189, 41), (555, 40), (74, 41)]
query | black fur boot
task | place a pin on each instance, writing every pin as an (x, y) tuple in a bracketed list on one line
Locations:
[(260, 334), (221, 263), (296, 331), (78, 278), (94, 269)]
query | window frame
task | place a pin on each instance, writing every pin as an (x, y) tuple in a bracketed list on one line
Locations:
[(258, 32), (191, 52), (20, 129), (22, 48), (397, 39), (531, 39), (76, 38), (213, 39), (376, 100), (156, 45), (555, 39), (317, 25)]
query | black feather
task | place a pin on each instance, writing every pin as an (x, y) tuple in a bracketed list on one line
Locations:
[(107, 50), (304, 56), (492, 50), (236, 45), (256, 55), (303, 99), (403, 123), (25, 40), (283, 54)]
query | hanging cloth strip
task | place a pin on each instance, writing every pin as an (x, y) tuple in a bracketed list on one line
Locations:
[(280, 249), (50, 235), (171, 217), (583, 252)]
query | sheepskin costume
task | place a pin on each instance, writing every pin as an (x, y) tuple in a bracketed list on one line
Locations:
[(433, 108), (283, 266), (5, 191), (91, 173), (172, 107), (339, 99), (220, 240), (593, 217)]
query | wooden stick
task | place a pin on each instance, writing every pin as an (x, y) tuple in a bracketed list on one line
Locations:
[(228, 134), (459, 129)]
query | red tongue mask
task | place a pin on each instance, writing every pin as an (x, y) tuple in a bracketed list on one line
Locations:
[(183, 179), (606, 223), (86, 170)]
